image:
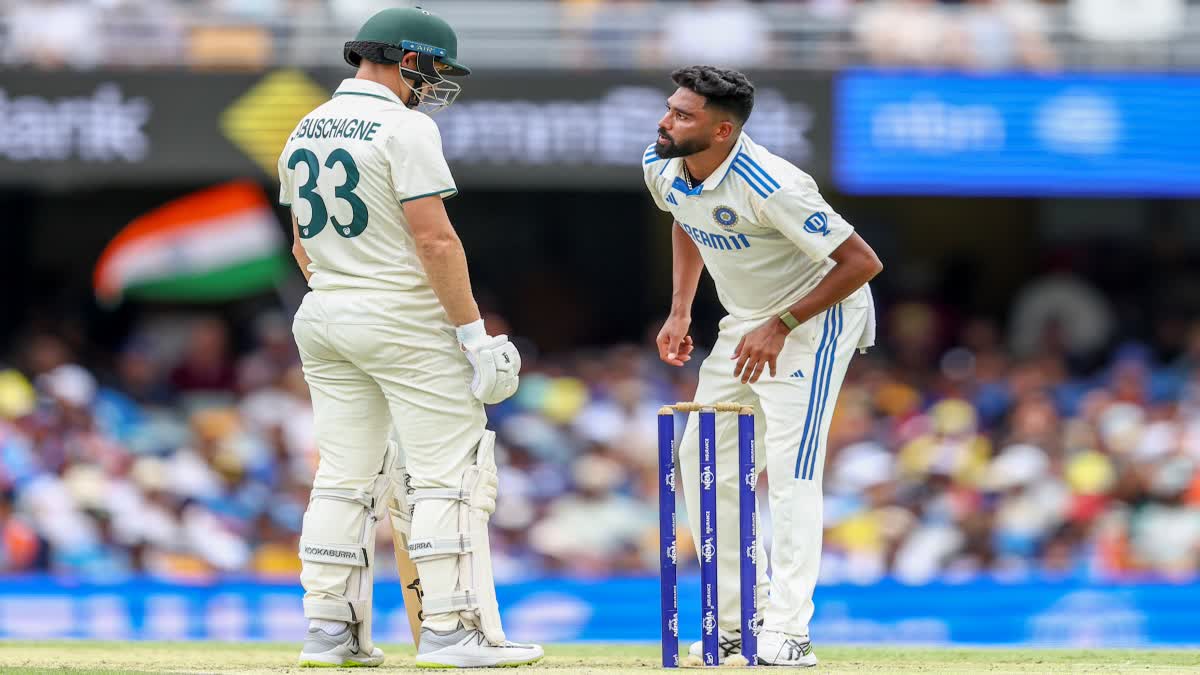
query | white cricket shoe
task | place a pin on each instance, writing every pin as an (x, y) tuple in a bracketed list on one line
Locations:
[(728, 644), (468, 648), (340, 650), (781, 649)]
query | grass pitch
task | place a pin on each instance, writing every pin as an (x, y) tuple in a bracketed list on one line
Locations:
[(215, 657)]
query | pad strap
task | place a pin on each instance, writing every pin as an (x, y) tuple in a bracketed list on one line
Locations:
[(351, 555), (366, 499), (445, 494), (458, 601), (334, 610), (438, 547)]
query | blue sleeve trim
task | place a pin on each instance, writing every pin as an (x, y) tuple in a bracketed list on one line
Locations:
[(752, 182), (758, 169)]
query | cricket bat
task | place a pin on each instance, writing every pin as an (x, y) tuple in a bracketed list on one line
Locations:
[(410, 579)]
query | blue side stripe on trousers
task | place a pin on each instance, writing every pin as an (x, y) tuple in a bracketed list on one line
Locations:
[(810, 465), (822, 368), (812, 394)]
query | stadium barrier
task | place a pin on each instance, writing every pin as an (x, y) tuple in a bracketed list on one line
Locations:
[(619, 610)]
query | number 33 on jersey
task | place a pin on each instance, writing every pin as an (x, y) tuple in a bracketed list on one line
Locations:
[(346, 171)]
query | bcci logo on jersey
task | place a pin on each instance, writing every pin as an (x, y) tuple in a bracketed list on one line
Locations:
[(725, 217), (817, 223)]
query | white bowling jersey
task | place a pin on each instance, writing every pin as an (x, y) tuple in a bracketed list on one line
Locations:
[(346, 171), (763, 230)]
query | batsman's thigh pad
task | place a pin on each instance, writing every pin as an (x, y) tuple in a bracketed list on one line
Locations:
[(474, 594), (339, 532)]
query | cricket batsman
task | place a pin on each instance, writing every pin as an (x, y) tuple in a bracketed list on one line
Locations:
[(391, 337), (792, 275)]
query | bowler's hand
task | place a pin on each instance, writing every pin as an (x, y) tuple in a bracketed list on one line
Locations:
[(758, 349), (674, 343)]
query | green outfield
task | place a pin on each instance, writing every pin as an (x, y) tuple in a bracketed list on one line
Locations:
[(211, 657)]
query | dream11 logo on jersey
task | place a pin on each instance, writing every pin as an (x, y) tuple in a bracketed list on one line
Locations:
[(103, 126)]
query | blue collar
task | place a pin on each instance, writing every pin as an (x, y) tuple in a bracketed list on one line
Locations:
[(681, 185)]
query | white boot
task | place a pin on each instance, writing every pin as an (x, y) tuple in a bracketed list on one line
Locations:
[(468, 648), (729, 643), (340, 650), (781, 649)]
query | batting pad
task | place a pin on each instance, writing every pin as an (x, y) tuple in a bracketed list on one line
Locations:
[(473, 596), (339, 532)]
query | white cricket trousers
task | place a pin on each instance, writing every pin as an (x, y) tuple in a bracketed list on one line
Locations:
[(792, 411), (374, 360)]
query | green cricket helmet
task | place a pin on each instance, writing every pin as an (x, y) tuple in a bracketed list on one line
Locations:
[(390, 34)]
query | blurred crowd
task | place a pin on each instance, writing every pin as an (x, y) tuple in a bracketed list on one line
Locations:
[(190, 451), (970, 34)]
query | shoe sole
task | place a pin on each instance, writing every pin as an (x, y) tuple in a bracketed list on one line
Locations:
[(814, 663), (514, 664), (310, 663)]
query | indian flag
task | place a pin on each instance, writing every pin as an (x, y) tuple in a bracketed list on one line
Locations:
[(216, 244)]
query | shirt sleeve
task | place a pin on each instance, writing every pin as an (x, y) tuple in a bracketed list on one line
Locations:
[(650, 169), (285, 180), (802, 215), (418, 167)]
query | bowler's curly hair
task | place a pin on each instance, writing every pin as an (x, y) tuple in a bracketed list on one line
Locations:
[(728, 90)]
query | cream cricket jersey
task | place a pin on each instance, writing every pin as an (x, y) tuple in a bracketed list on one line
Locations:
[(762, 228), (346, 171)]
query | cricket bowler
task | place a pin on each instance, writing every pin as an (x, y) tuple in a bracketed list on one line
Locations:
[(792, 276), (390, 336)]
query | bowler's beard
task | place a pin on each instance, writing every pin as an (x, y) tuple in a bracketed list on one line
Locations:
[(673, 149)]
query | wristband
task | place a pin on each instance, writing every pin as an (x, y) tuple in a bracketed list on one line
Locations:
[(470, 333), (789, 320)]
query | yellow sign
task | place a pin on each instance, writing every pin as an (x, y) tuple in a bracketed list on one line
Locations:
[(259, 121)]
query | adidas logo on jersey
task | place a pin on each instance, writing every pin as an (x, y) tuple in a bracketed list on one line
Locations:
[(798, 373)]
